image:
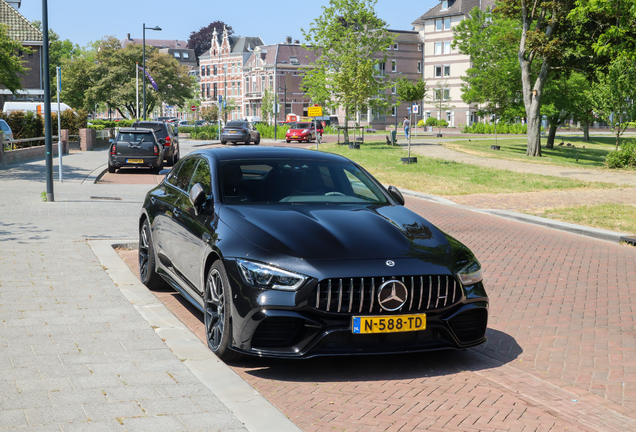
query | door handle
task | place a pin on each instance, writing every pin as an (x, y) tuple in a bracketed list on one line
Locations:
[(177, 212)]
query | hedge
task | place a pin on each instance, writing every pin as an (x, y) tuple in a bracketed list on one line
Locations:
[(29, 124)]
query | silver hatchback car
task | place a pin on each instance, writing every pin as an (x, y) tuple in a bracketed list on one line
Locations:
[(6, 131)]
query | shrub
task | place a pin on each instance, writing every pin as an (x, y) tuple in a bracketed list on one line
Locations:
[(502, 128), (421, 123), (431, 121), (624, 157), (442, 123), (267, 131), (209, 132)]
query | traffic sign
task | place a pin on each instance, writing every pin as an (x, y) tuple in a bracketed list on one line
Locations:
[(314, 111), (415, 108), (193, 108), (220, 98)]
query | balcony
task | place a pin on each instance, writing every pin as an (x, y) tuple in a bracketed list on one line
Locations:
[(253, 95)]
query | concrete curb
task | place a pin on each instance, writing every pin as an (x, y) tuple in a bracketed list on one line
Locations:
[(248, 405), (596, 233), (96, 174)]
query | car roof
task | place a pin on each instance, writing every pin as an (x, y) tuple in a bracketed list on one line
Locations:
[(135, 130), (237, 153), (158, 123)]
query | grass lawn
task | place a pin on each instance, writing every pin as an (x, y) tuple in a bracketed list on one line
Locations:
[(440, 177), (614, 217), (592, 156)]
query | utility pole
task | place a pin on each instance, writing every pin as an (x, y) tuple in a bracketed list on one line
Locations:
[(48, 139), (225, 91)]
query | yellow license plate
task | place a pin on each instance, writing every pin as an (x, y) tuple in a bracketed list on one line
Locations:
[(134, 161), (388, 324), (232, 131), (294, 136)]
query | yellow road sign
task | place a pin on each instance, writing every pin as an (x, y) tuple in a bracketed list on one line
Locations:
[(314, 111)]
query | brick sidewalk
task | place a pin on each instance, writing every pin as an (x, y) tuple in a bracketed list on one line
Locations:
[(560, 354)]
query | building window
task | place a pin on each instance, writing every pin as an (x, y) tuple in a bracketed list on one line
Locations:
[(419, 47), (271, 82), (262, 82), (439, 25), (393, 66), (247, 84), (233, 89), (288, 108), (393, 90), (447, 47), (214, 70), (238, 87), (444, 4), (202, 70), (186, 55), (447, 23), (438, 71), (207, 70), (393, 111), (215, 91), (449, 116), (446, 94), (446, 70), (177, 54), (438, 48), (202, 90), (419, 67), (395, 46)]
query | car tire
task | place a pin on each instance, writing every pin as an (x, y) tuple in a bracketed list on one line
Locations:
[(111, 168), (247, 141), (258, 141), (147, 273), (173, 159), (217, 307), (287, 141), (223, 142)]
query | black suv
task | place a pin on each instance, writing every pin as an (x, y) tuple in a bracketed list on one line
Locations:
[(168, 133), (136, 147)]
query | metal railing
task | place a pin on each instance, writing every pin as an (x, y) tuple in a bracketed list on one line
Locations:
[(29, 141)]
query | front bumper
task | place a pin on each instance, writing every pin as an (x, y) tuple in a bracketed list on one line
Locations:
[(274, 323), (298, 137)]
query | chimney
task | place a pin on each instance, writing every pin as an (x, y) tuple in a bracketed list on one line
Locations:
[(288, 39), (297, 42), (15, 3), (129, 36)]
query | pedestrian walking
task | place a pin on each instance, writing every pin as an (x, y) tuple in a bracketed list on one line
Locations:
[(407, 126)]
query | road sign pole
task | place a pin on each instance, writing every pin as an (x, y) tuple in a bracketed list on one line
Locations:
[(59, 122)]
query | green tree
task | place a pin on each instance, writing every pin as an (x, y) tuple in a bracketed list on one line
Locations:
[(11, 64), (267, 105), (440, 98), (493, 81), (565, 97), (210, 113), (614, 95), (410, 92), (111, 78), (346, 38), (59, 50)]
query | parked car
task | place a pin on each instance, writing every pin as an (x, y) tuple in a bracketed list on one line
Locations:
[(7, 134), (138, 147), (301, 131), (329, 120), (296, 253), (201, 123), (169, 134), (240, 131), (184, 123)]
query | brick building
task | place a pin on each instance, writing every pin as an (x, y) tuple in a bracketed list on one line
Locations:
[(277, 67), (221, 70), (20, 29), (443, 64)]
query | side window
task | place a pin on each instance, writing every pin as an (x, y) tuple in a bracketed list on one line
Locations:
[(202, 175), (182, 178), (359, 188)]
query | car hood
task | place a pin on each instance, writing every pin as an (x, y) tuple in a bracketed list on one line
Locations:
[(338, 232)]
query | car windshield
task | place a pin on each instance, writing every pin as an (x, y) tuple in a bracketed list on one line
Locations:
[(235, 124), (134, 137), (293, 181), (302, 126)]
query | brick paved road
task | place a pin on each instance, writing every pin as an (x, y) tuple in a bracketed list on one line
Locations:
[(560, 354)]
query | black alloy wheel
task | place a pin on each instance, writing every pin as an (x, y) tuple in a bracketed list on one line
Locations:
[(147, 273), (174, 158), (111, 168), (216, 312)]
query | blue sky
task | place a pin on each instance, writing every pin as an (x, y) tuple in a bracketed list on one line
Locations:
[(83, 21)]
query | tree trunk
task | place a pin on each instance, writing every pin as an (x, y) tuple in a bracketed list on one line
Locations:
[(346, 130), (586, 131), (551, 134)]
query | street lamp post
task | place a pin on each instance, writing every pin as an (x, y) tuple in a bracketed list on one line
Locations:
[(157, 28), (285, 102), (225, 91)]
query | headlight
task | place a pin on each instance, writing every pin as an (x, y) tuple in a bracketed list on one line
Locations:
[(263, 276), (471, 273)]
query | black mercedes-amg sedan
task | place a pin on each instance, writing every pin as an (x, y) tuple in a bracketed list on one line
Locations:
[(298, 253)]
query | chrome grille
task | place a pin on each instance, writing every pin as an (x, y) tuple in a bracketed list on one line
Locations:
[(358, 295)]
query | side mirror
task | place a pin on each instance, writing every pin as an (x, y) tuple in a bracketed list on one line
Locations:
[(162, 141), (176, 130), (396, 194), (198, 198)]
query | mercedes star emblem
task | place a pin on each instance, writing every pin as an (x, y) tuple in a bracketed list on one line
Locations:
[(392, 295), (390, 263)]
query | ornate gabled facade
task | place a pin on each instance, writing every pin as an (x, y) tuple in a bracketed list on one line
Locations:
[(221, 70), (442, 64)]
